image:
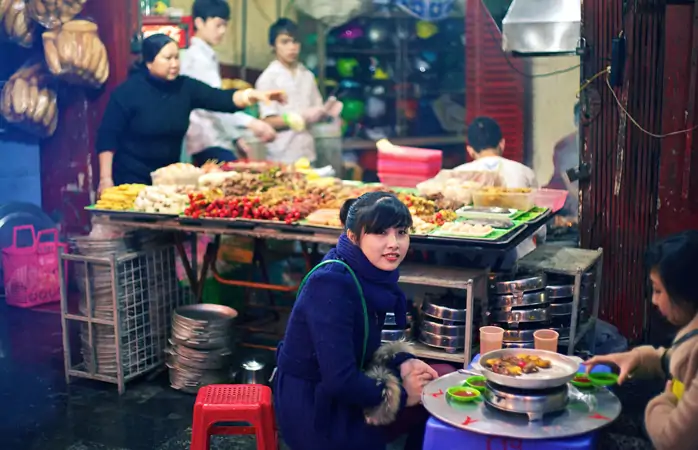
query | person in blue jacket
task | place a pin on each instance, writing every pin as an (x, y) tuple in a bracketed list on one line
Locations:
[(336, 387)]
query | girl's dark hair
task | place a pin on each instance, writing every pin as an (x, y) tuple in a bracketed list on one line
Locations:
[(150, 47), (675, 259), (373, 213)]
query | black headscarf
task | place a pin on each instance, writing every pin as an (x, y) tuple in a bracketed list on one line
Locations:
[(150, 48)]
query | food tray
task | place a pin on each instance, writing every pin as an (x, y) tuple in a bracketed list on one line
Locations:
[(471, 212), (209, 222), (131, 214), (532, 215), (518, 299), (497, 234), (522, 201), (306, 224), (562, 370)]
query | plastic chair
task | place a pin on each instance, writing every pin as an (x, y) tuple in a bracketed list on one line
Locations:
[(250, 403)]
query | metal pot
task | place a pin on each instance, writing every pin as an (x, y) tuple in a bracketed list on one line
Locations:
[(253, 371)]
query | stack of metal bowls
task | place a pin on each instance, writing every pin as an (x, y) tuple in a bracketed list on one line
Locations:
[(391, 332), (443, 322), (96, 285), (201, 346), (560, 291), (519, 304)]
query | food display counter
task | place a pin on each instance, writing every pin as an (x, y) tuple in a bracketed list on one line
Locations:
[(264, 203)]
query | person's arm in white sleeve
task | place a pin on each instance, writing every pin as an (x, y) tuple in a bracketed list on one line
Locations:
[(271, 112)]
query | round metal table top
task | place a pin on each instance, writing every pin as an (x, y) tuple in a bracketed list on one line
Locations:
[(586, 411)]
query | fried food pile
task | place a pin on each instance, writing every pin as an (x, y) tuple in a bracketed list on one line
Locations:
[(518, 365)]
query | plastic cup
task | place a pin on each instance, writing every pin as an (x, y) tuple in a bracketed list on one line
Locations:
[(490, 339), (545, 340)]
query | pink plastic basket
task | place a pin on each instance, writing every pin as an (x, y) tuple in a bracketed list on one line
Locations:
[(550, 198), (31, 273)]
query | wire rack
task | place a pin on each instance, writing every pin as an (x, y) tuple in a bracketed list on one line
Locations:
[(124, 312)]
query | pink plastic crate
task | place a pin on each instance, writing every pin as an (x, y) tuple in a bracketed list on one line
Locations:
[(402, 160), (397, 180), (550, 198), (31, 273)]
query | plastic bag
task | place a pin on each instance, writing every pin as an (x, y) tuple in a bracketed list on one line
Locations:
[(54, 13), (75, 53), (29, 102), (15, 22)]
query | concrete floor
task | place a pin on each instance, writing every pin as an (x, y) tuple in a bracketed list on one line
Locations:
[(39, 412)]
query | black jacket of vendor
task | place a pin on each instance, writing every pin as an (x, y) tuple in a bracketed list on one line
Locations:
[(146, 119)]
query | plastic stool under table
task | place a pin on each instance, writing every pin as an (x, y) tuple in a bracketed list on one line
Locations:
[(250, 403)]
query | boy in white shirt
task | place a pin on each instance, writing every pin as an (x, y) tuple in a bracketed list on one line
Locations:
[(303, 96), (211, 135), (485, 147)]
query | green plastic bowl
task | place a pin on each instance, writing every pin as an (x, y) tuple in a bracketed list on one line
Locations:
[(582, 384), (603, 379), (456, 393), (476, 382)]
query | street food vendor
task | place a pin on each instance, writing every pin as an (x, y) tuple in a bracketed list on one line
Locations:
[(148, 115), (305, 106), (485, 146)]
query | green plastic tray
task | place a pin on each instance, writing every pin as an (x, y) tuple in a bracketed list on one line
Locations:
[(496, 234), (530, 215)]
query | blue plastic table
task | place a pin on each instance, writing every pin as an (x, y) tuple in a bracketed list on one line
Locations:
[(441, 436)]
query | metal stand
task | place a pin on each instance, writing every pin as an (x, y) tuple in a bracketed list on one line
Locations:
[(125, 313), (571, 262)]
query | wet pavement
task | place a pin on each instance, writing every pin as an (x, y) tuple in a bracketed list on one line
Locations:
[(39, 412)]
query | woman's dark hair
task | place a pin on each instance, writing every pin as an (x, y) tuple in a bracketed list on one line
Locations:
[(282, 26), (675, 259), (150, 47), (373, 213)]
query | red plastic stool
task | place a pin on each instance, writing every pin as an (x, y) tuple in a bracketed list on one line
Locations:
[(249, 403)]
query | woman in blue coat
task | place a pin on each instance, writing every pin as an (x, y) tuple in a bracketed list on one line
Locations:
[(336, 387)]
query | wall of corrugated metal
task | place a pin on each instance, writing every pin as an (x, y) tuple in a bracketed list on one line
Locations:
[(619, 201), (493, 86)]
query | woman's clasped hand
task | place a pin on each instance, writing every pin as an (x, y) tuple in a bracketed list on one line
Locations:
[(415, 375)]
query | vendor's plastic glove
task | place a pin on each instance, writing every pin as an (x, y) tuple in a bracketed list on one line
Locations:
[(313, 114), (262, 130), (333, 107)]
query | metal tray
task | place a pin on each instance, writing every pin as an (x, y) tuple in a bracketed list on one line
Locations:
[(396, 335), (440, 329), (563, 370), (518, 345), (567, 290), (522, 336), (138, 216), (390, 319), (447, 343), (561, 309), (443, 311), (519, 284), (520, 315), (518, 299)]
